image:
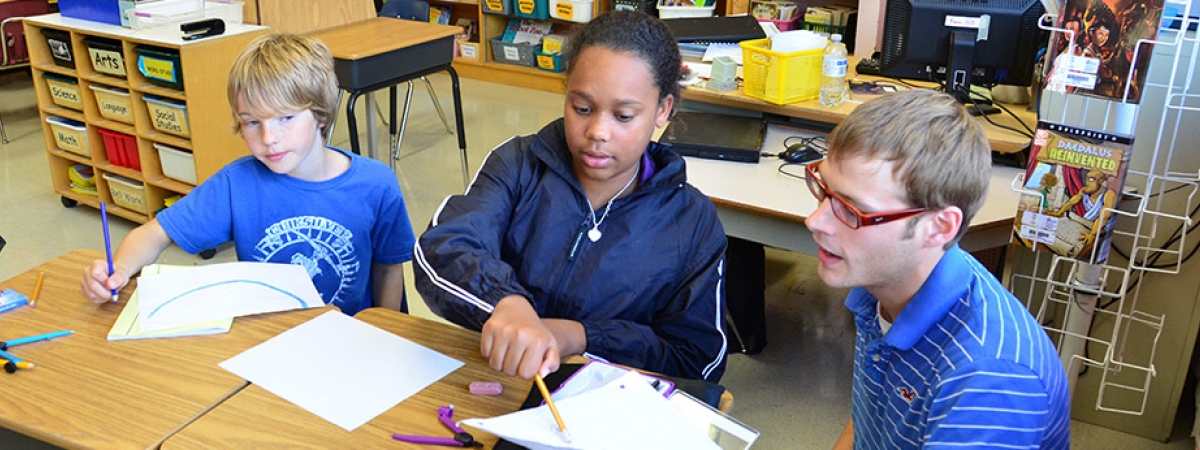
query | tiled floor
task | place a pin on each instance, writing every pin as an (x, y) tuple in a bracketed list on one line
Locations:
[(797, 391)]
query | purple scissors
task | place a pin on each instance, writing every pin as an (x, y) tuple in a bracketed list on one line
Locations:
[(461, 438)]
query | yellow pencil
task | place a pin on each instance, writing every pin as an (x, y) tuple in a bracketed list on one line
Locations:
[(36, 290), (541, 384)]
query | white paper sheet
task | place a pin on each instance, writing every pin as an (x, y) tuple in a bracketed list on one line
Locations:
[(225, 290), (340, 368), (592, 417)]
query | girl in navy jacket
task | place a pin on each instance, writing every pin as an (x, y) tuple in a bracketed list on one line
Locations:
[(585, 239)]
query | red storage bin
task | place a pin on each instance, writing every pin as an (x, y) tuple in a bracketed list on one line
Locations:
[(122, 149)]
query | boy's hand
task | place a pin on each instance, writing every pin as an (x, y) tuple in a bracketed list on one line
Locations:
[(516, 342), (97, 286)]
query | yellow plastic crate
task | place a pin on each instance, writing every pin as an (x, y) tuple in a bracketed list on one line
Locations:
[(780, 78), (126, 193), (113, 103)]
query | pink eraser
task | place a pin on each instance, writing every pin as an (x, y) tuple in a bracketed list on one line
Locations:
[(486, 388)]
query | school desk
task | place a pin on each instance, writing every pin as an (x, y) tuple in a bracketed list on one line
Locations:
[(383, 52), (256, 418), (87, 393)]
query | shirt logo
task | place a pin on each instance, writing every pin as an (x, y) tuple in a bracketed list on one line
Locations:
[(908, 394), (323, 247)]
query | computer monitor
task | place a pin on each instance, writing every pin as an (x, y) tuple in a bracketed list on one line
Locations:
[(995, 41)]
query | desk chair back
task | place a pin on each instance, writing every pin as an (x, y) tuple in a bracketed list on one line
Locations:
[(416, 10)]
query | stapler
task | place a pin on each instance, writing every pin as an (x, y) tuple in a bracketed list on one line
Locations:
[(202, 29)]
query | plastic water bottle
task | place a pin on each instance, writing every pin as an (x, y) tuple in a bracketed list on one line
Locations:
[(833, 73)]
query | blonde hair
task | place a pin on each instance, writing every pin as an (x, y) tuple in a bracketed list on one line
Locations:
[(280, 73), (942, 157)]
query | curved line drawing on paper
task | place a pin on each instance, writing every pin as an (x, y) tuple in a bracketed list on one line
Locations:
[(303, 304)]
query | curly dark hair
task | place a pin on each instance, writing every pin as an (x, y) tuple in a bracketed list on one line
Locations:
[(636, 33)]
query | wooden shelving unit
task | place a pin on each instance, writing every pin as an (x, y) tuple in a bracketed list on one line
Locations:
[(493, 25), (204, 67)]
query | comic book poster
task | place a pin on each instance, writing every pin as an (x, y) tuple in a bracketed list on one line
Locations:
[(1106, 34), (1072, 184)]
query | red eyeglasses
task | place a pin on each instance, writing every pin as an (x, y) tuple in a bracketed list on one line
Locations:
[(847, 213)]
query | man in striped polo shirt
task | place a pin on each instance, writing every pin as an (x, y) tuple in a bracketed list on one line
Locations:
[(945, 356)]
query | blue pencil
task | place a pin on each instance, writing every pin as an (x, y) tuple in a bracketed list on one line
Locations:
[(5, 345), (9, 356), (107, 244)]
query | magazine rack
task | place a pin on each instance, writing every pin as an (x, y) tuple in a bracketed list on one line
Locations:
[(1069, 296)]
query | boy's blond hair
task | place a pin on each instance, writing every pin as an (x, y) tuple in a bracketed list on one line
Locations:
[(280, 73), (941, 154)]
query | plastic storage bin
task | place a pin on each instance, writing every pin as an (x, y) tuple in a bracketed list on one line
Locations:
[(70, 135), (780, 78), (550, 62), (666, 11), (59, 42), (573, 10), (160, 66), (230, 12), (163, 13), (126, 193), (177, 164), (121, 148), (510, 53), (646, 6), (107, 11), (531, 9), (64, 91), (167, 116), (106, 55), (497, 6), (113, 103)]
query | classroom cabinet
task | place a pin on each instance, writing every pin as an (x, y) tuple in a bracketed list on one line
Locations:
[(119, 122)]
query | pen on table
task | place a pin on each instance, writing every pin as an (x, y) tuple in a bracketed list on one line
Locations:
[(5, 345), (37, 289), (541, 384), (11, 367), (107, 244)]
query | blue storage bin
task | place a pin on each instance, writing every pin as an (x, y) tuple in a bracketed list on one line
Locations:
[(160, 66)]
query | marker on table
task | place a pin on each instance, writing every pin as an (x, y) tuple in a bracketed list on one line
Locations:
[(541, 384), (36, 289), (11, 367), (107, 244), (11, 357), (5, 345)]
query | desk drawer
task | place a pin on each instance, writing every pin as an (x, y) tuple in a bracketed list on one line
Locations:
[(393, 67)]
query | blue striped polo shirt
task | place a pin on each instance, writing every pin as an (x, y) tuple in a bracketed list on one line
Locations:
[(964, 366)]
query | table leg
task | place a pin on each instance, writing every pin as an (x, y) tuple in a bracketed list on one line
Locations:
[(352, 122), (458, 122), (372, 132)]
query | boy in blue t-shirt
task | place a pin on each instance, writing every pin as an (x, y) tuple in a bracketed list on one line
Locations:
[(293, 201)]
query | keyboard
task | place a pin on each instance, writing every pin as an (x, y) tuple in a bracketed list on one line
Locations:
[(869, 66)]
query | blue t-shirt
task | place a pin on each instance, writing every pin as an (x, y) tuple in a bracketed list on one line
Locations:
[(964, 366), (336, 228)]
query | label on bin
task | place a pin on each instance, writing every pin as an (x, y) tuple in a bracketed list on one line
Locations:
[(526, 6), (67, 140), (159, 69), (495, 5), (115, 108), (512, 54), (565, 10), (59, 50), (66, 95), (104, 59), (168, 120)]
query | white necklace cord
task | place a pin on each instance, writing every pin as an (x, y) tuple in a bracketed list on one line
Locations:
[(594, 234)]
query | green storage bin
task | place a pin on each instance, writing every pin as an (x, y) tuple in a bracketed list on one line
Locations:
[(160, 66)]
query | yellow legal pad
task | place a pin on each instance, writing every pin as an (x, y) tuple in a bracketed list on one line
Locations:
[(126, 327)]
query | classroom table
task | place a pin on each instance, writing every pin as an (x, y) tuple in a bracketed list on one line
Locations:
[(85, 392), (1003, 141), (256, 418)]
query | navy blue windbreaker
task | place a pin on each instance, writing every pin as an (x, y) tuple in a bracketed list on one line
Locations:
[(650, 294)]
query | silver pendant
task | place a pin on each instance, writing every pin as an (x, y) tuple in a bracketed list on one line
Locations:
[(594, 235)]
